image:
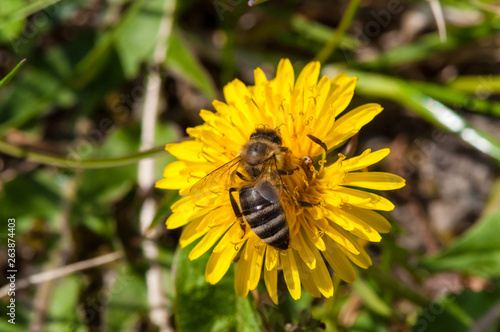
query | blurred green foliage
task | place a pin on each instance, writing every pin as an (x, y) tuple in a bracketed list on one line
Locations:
[(79, 97), (221, 309)]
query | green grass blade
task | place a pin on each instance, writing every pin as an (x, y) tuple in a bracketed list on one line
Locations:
[(480, 84), (457, 98), (319, 32), (339, 33), (371, 298), (428, 108), (431, 44), (13, 72)]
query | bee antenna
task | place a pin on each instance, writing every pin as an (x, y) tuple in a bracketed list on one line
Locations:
[(323, 145), (318, 141)]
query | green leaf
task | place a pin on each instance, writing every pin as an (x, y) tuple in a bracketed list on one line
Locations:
[(95, 60), (62, 310), (101, 187), (30, 196), (182, 61), (477, 252), (137, 36), (5, 326), (10, 26), (436, 317), (10, 75), (200, 306), (28, 98), (367, 321), (107, 184), (127, 301), (22, 10), (256, 2), (371, 299), (22, 318)]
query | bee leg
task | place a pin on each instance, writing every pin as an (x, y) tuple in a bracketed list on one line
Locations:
[(241, 176), (287, 172), (239, 216), (289, 194), (294, 200), (234, 204), (236, 209), (297, 202)]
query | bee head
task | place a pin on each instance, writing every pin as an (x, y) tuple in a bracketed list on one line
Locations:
[(270, 135)]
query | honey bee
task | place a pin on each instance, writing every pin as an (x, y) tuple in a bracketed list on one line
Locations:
[(262, 161)]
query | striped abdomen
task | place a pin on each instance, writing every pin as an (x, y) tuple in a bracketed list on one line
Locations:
[(263, 211)]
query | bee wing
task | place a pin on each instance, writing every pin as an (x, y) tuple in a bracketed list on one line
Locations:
[(215, 178), (270, 185), (268, 189)]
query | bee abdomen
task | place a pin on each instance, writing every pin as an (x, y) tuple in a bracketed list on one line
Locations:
[(274, 232), (266, 219)]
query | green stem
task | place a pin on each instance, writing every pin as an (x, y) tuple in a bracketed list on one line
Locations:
[(339, 32), (75, 163)]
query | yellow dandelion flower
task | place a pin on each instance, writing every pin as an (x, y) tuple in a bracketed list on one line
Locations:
[(325, 207)]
